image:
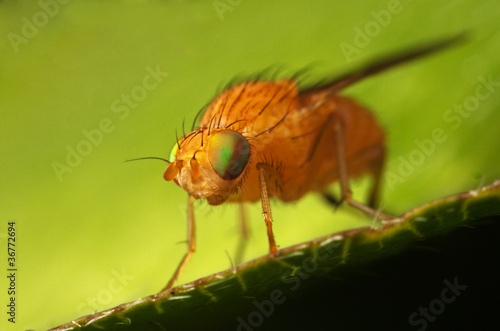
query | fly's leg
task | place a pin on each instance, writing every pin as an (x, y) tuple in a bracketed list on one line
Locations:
[(332, 199), (344, 176), (377, 155), (191, 241), (244, 234), (266, 207), (377, 170)]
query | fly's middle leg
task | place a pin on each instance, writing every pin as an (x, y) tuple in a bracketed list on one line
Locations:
[(266, 207)]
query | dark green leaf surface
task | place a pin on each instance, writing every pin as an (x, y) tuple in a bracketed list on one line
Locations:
[(230, 290)]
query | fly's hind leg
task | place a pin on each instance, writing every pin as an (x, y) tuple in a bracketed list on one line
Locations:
[(344, 177), (332, 199)]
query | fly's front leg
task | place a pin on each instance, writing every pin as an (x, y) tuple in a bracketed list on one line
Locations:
[(344, 175), (266, 207), (191, 241), (244, 235)]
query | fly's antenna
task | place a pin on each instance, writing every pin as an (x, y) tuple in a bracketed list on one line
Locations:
[(149, 158), (183, 130)]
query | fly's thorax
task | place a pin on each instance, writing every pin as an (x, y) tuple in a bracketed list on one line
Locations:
[(209, 166), (253, 105)]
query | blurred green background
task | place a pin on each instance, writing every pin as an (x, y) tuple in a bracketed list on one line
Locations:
[(106, 232)]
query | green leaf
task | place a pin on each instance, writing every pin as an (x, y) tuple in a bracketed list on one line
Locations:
[(230, 291)]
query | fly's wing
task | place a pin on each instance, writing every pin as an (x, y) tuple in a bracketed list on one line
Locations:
[(383, 64)]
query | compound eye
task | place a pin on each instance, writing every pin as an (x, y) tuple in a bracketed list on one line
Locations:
[(228, 153)]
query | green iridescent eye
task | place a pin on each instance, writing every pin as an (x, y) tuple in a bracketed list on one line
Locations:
[(173, 152), (228, 153)]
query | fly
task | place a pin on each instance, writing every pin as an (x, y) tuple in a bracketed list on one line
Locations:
[(261, 139)]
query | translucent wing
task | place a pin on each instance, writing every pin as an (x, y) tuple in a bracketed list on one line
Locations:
[(384, 63)]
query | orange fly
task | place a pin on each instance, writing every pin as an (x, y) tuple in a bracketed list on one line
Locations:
[(262, 139)]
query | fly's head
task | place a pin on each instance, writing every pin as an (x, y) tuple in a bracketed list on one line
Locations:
[(209, 165)]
